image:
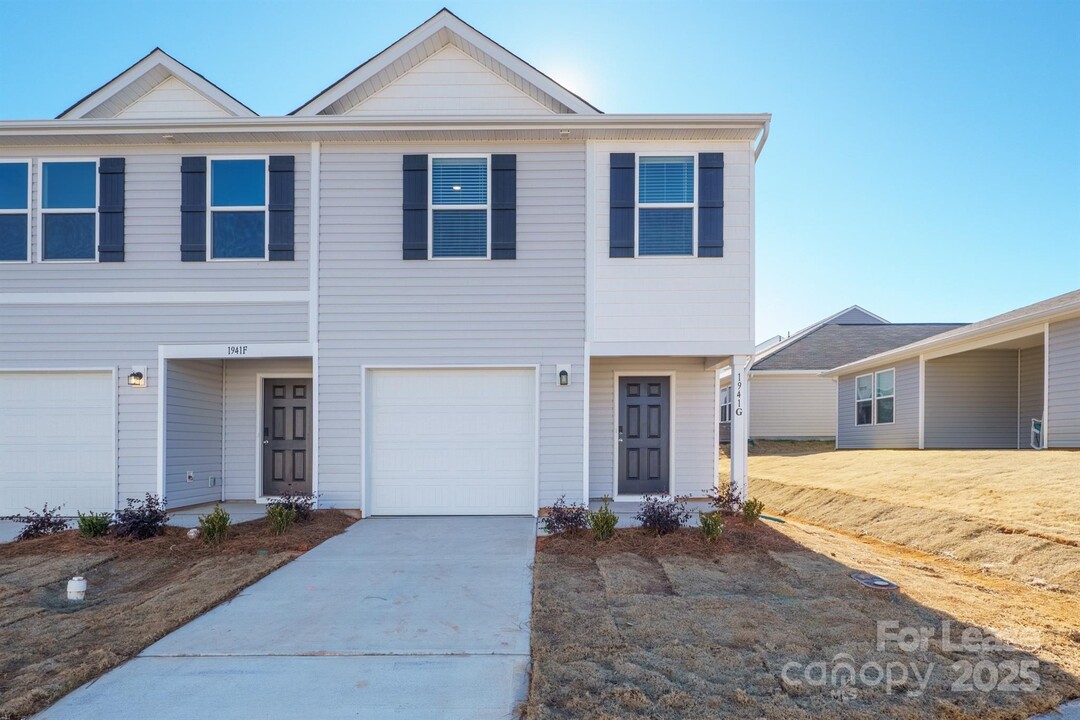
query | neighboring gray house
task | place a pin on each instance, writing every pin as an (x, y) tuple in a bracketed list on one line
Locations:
[(445, 285), (1011, 381), (788, 397)]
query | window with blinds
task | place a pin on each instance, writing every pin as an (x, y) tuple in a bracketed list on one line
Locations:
[(665, 205), (459, 207)]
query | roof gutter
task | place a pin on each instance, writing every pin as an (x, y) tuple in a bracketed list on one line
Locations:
[(764, 137), (961, 336)]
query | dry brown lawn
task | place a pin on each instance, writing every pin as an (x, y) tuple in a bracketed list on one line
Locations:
[(1006, 512), (138, 593), (677, 628)]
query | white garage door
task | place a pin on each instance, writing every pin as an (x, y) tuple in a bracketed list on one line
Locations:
[(56, 441), (451, 442)]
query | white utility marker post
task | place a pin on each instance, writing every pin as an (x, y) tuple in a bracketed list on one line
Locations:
[(740, 424)]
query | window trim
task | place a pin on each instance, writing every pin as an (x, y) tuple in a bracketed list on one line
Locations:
[(210, 208), (28, 211), (725, 404), (884, 397), (693, 207), (432, 207), (42, 210), (873, 375)]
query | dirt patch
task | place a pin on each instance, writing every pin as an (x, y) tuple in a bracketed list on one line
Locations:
[(714, 643), (138, 593)]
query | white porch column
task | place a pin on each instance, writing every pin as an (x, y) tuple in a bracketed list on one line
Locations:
[(740, 424)]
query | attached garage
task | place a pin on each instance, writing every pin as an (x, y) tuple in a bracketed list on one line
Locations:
[(57, 433), (451, 441)]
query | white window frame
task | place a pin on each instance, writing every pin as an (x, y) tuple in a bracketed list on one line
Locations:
[(725, 404), (210, 207), (27, 212), (432, 207), (42, 210), (885, 397), (870, 399), (662, 206)]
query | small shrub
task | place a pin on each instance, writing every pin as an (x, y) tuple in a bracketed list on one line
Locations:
[(724, 499), (301, 503), (94, 524), (563, 518), (214, 526), (39, 524), (141, 519), (712, 524), (751, 511), (663, 514), (603, 521), (281, 517)]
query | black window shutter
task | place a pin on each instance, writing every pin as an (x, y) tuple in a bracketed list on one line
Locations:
[(282, 206), (414, 225), (111, 210), (503, 207), (711, 205), (621, 231), (193, 209)]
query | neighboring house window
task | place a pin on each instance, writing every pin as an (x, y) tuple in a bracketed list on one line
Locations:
[(725, 405), (238, 227), (665, 205), (14, 211), (459, 207), (875, 396), (69, 210), (885, 395)]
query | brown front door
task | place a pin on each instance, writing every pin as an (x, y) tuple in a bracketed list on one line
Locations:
[(286, 436)]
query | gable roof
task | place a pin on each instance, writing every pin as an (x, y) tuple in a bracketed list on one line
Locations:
[(442, 29), (155, 68), (1055, 308), (851, 314), (835, 344)]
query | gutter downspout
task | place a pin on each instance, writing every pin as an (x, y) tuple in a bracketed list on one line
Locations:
[(761, 142)]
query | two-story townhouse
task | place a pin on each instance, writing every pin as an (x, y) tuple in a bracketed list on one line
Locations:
[(445, 285)]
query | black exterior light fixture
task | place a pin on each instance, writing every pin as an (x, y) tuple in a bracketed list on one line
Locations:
[(563, 374), (137, 377)]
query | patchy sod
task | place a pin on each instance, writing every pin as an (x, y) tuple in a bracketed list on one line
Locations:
[(138, 592), (675, 627)]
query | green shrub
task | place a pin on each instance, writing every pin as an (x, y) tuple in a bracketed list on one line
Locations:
[(281, 517), (712, 524), (94, 524), (751, 511), (603, 521), (302, 503), (214, 527)]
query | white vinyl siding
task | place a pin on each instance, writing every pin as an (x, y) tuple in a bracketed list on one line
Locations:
[(903, 432), (675, 304), (792, 407), (450, 82), (1063, 422), (693, 446), (1031, 392), (477, 312), (193, 417), (172, 99), (56, 441), (152, 232), (971, 400)]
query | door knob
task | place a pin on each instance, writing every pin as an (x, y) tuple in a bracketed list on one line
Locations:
[(620, 433)]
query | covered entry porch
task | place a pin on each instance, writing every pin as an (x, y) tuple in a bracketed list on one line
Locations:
[(235, 428)]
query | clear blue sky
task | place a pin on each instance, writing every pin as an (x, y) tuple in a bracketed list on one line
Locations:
[(924, 159)]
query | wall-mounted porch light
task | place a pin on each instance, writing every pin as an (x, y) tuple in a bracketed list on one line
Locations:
[(137, 377), (562, 373)]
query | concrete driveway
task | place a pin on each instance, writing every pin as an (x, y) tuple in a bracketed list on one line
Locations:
[(395, 618), (8, 530)]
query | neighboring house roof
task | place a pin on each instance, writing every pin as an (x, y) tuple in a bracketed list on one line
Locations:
[(835, 344), (443, 29), (148, 74), (1056, 308), (853, 314)]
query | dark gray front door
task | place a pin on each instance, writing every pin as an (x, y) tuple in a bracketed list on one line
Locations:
[(286, 436), (644, 419)]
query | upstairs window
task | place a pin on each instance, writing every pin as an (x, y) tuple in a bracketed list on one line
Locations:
[(14, 211), (875, 396), (459, 207), (665, 205), (237, 217), (69, 210)]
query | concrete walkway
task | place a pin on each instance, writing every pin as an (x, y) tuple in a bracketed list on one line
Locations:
[(395, 619)]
